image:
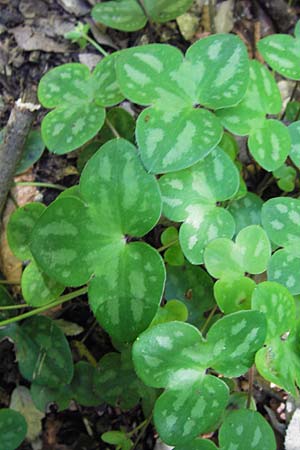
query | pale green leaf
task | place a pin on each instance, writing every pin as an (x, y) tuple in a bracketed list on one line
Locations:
[(234, 294), (294, 130)]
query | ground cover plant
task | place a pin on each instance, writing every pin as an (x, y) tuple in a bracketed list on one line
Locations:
[(218, 298)]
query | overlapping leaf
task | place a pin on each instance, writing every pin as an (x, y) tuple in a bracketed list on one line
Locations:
[(279, 360), (190, 196), (294, 130), (193, 286), (214, 74), (175, 355), (38, 289), (281, 220), (79, 99), (234, 294), (249, 253), (77, 238), (129, 15), (281, 52), (246, 211), (262, 97)]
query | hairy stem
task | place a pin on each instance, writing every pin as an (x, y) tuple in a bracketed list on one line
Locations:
[(164, 247), (96, 45), (112, 128)]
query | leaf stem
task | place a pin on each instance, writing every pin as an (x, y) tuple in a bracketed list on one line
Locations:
[(141, 433), (96, 45), (19, 306), (40, 184), (164, 247), (211, 314), (59, 301), (137, 428), (112, 128), (10, 282), (250, 381)]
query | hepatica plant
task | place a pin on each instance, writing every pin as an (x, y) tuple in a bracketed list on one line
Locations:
[(180, 334)]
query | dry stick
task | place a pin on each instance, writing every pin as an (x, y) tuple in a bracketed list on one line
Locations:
[(17, 129)]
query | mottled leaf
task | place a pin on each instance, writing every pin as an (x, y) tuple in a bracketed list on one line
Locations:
[(83, 388), (294, 130), (270, 144), (246, 211), (243, 429), (32, 151)]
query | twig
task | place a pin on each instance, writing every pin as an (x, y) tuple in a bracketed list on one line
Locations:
[(16, 132), (40, 184)]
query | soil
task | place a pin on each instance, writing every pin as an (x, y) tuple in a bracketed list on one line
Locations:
[(32, 42)]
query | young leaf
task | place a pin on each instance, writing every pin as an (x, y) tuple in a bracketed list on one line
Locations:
[(37, 288), (20, 226), (194, 287), (5, 300), (191, 196), (250, 253), (43, 352), (234, 294), (270, 144), (172, 310), (246, 429), (13, 429), (121, 200), (222, 67)]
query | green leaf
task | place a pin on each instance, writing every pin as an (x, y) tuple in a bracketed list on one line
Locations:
[(20, 226), (229, 145), (279, 360), (172, 310), (115, 380), (197, 444), (32, 151), (114, 437), (270, 144), (191, 196), (234, 294), (121, 15), (292, 111), (281, 52), (120, 200), (79, 99), (233, 341), (194, 287), (145, 75), (246, 429), (175, 355), (44, 396), (294, 130), (104, 80), (21, 402), (13, 429), (250, 253), (222, 67), (165, 10), (43, 353), (197, 132), (246, 211), (281, 220), (286, 177), (284, 268), (83, 386), (37, 288), (262, 97), (71, 125), (180, 415)]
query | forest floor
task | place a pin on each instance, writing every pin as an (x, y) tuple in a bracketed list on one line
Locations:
[(32, 42)]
